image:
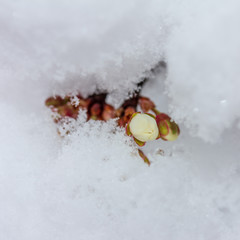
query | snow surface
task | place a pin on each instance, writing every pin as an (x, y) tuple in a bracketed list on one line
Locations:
[(92, 184)]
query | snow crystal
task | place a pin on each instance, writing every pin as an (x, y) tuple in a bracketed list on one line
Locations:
[(74, 100)]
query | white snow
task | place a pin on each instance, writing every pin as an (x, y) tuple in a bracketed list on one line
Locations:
[(203, 56), (91, 184)]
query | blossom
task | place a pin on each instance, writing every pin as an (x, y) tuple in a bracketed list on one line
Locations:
[(143, 127)]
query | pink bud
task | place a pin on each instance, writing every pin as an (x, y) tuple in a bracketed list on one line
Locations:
[(84, 103), (169, 130), (67, 111), (108, 112), (146, 104), (54, 101), (95, 109)]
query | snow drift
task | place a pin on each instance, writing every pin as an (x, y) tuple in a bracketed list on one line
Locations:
[(92, 185)]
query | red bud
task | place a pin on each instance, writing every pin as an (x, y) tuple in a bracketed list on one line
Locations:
[(146, 104), (54, 101), (95, 109), (108, 112), (169, 130)]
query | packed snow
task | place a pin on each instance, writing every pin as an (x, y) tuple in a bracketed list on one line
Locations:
[(91, 184)]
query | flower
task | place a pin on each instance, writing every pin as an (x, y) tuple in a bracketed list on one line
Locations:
[(169, 130), (143, 127)]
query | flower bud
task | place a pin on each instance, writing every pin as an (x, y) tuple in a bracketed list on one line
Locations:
[(84, 103), (67, 110), (128, 112), (126, 115), (119, 112), (169, 130), (146, 104), (95, 109), (54, 101), (143, 127), (108, 112)]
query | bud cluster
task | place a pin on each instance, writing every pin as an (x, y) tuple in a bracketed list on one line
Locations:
[(95, 106), (143, 127)]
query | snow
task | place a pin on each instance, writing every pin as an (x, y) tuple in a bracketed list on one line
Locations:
[(91, 184), (203, 55)]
